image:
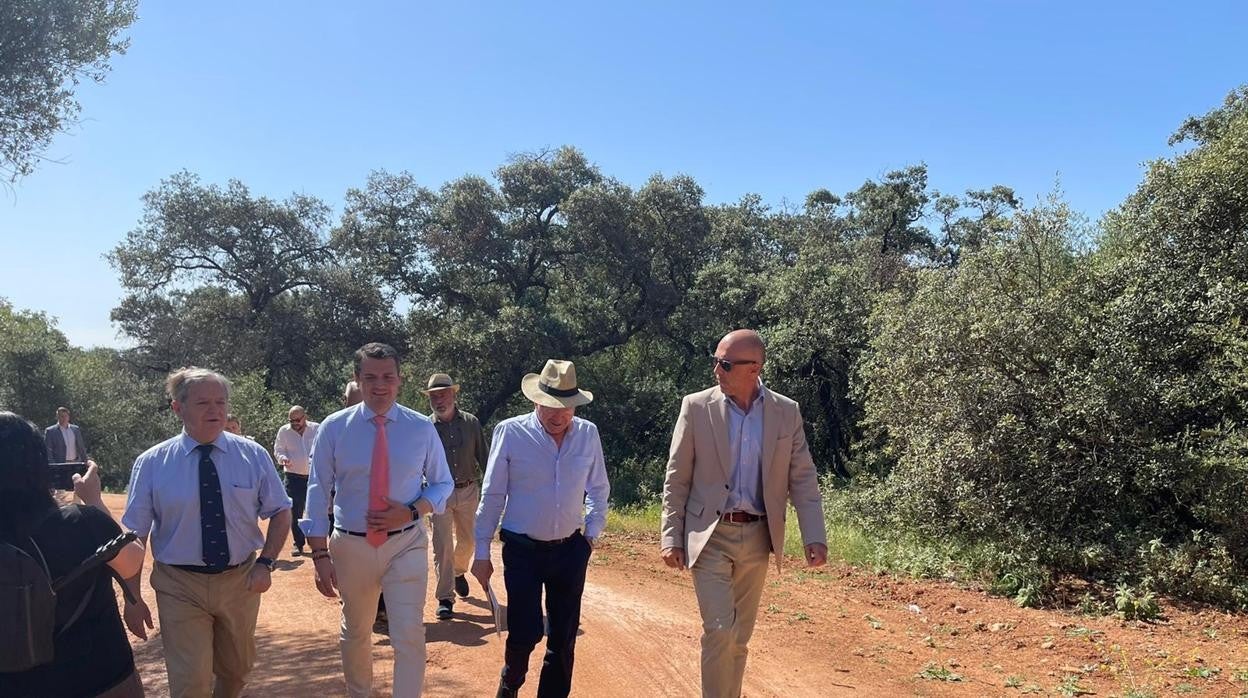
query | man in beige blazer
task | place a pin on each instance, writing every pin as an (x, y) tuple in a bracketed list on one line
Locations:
[(738, 452)]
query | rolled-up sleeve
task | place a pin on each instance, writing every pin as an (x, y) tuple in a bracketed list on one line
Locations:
[(597, 492), (493, 493), (139, 512), (438, 481), (320, 483), (273, 497)]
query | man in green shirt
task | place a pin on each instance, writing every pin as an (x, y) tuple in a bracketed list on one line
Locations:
[(464, 442)]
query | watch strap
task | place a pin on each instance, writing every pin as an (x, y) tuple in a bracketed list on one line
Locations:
[(267, 562)]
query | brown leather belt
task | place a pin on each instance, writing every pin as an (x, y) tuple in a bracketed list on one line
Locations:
[(742, 517), (461, 484)]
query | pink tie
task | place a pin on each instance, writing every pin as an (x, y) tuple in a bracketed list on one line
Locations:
[(379, 479)]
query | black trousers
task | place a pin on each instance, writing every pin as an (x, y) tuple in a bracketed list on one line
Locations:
[(528, 566), (297, 490)]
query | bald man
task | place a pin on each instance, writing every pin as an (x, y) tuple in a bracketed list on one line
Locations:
[(738, 452), (293, 450)]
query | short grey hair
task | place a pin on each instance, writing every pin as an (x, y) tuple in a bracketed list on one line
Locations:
[(179, 383)]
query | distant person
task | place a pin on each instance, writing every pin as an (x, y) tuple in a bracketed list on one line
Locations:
[(387, 469), (91, 656), (547, 481), (233, 424), (293, 449), (464, 444), (738, 452), (351, 395), (64, 440), (199, 495)]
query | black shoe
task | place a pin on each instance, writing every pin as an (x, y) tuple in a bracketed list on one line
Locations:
[(445, 607), (504, 692), (461, 586), (297, 552)]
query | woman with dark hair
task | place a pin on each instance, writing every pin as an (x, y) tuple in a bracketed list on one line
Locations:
[(92, 656)]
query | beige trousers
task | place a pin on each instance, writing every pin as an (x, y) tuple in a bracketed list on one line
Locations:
[(461, 515), (400, 569), (728, 580), (208, 628)]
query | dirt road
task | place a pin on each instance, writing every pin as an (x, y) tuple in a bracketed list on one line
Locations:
[(832, 632)]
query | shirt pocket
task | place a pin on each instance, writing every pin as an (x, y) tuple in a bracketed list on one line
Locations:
[(245, 497)]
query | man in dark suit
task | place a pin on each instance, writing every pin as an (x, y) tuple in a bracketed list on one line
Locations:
[(64, 440)]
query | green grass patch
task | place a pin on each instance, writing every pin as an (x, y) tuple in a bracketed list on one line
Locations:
[(636, 519)]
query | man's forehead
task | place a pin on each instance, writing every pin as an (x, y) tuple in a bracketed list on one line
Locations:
[(205, 390)]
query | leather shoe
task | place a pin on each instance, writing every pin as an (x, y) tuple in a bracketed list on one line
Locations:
[(445, 607), (461, 586), (504, 692)]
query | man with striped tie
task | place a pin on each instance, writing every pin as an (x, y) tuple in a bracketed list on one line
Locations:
[(386, 467), (199, 495)]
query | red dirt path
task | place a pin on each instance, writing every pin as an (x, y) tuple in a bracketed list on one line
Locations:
[(836, 631)]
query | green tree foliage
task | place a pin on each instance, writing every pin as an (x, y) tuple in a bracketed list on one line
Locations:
[(219, 278), (1084, 410), (32, 382), (552, 260), (48, 47)]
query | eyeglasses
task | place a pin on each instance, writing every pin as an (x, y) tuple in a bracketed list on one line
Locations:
[(727, 365)]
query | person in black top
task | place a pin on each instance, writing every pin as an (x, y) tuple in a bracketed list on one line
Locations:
[(92, 657)]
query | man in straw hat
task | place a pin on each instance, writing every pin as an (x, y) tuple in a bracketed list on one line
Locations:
[(738, 452), (464, 443), (547, 481)]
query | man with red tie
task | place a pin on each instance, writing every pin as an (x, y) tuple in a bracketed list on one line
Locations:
[(387, 469)]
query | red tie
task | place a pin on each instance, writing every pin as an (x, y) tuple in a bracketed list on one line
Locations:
[(379, 479)]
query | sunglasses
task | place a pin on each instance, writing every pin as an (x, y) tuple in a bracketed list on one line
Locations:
[(727, 365)]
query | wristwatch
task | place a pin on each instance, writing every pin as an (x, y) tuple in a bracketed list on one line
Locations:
[(415, 511), (267, 562)]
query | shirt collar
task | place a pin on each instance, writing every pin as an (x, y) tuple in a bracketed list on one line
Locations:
[(391, 414), (762, 389), (188, 444)]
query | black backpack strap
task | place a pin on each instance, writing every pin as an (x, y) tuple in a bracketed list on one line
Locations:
[(82, 607)]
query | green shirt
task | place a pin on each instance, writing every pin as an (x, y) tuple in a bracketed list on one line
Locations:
[(464, 443)]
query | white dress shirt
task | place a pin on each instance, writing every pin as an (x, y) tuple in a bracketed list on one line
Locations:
[(296, 448)]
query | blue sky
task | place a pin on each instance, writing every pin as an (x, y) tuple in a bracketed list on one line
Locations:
[(776, 99)]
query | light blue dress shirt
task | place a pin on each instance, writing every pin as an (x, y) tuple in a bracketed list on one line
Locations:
[(539, 489), (745, 441), (342, 457), (163, 499)]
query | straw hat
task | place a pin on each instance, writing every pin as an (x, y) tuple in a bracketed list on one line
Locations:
[(555, 386), (440, 381)]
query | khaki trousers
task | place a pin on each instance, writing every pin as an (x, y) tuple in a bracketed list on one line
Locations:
[(400, 569), (208, 628), (461, 515), (728, 580)]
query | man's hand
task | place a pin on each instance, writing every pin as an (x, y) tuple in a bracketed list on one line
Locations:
[(482, 569), (673, 557), (816, 555), (136, 616), (326, 578), (259, 579), (87, 486), (395, 515)]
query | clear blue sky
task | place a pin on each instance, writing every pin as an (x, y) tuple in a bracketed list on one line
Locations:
[(770, 98)]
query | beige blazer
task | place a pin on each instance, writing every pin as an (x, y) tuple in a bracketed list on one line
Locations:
[(698, 471)]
